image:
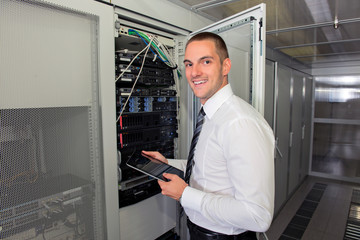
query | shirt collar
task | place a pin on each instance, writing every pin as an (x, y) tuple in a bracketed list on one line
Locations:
[(215, 102)]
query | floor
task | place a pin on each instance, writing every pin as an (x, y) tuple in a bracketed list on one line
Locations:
[(330, 216)]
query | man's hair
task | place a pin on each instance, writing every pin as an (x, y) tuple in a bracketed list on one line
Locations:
[(220, 45)]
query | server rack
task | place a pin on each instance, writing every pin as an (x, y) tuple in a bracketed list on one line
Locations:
[(146, 106)]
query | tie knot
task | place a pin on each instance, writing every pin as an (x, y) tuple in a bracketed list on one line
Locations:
[(202, 112)]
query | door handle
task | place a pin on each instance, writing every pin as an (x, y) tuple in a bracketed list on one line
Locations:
[(303, 132), (277, 148)]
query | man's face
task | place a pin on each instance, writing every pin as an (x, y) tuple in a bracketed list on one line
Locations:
[(204, 71)]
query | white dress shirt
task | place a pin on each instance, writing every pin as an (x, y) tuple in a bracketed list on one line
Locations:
[(231, 187)]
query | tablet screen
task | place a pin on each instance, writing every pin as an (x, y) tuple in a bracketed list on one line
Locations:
[(152, 166)]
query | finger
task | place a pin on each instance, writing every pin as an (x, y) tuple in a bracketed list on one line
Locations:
[(161, 183), (163, 186), (170, 176), (153, 154), (148, 153)]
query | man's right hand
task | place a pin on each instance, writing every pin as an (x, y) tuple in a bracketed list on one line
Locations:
[(156, 155)]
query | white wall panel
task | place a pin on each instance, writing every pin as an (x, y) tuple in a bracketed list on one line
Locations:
[(157, 217)]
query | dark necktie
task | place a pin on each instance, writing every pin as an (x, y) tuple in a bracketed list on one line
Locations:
[(190, 162)]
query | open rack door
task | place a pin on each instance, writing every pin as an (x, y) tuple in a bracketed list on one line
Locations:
[(244, 34), (58, 179)]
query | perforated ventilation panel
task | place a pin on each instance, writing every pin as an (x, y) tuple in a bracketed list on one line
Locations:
[(50, 155)]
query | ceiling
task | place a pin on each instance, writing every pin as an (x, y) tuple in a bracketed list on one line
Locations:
[(305, 30)]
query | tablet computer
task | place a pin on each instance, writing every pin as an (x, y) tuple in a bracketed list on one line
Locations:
[(151, 166)]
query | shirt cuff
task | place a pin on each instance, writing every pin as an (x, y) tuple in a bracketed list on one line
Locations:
[(192, 198)]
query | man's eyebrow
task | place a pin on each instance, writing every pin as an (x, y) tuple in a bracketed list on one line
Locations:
[(205, 57)]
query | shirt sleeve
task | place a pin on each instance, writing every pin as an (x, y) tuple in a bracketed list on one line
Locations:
[(178, 163), (249, 152)]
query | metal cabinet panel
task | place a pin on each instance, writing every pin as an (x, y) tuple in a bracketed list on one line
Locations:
[(307, 128), (295, 131), (269, 92), (282, 134)]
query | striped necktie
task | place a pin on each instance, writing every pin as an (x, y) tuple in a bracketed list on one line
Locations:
[(190, 162)]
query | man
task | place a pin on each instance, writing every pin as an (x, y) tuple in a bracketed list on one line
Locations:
[(231, 190)]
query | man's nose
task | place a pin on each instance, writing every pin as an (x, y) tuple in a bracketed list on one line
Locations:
[(196, 70)]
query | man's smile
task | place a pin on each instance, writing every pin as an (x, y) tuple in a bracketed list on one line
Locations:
[(199, 82)]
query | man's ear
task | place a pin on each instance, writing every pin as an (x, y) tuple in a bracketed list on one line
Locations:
[(226, 66)]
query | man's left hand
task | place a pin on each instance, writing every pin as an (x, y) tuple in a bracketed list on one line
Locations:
[(174, 188)]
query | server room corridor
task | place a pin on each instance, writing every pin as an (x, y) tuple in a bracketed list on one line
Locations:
[(321, 209)]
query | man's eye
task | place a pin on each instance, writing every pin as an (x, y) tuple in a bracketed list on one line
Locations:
[(188, 64), (206, 61)]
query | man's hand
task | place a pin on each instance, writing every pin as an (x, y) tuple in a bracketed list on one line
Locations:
[(156, 155), (174, 188)]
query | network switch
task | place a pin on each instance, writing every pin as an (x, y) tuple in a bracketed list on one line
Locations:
[(138, 137), (146, 120)]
